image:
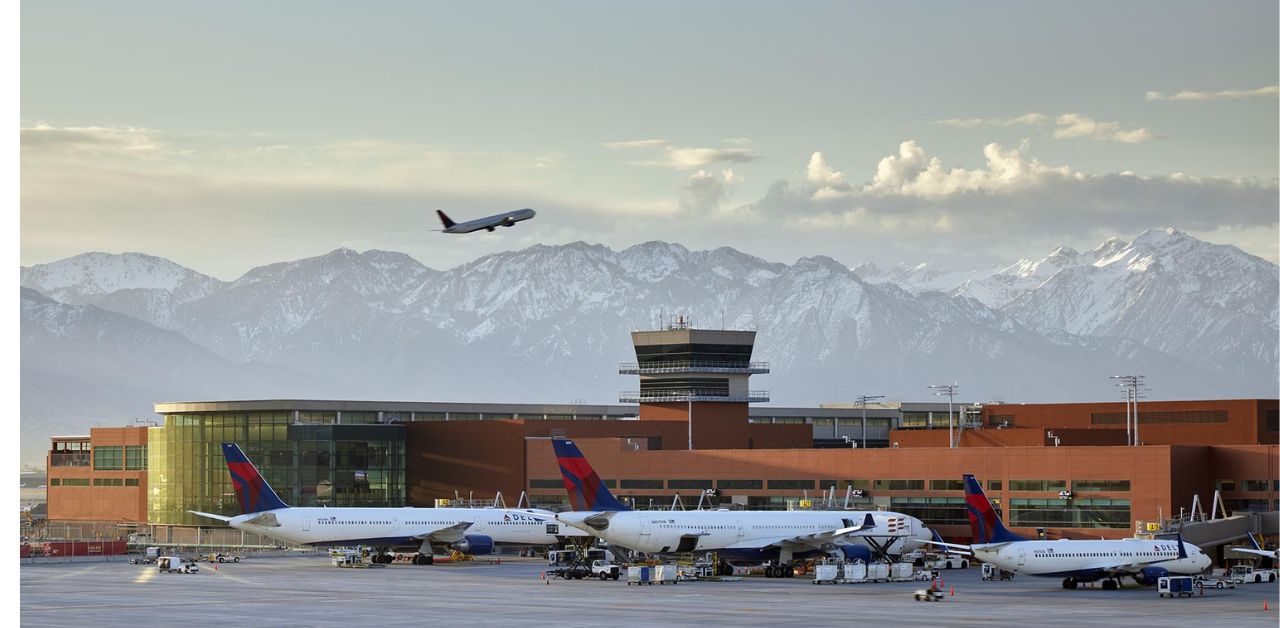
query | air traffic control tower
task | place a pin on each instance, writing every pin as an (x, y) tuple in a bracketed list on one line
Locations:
[(699, 376)]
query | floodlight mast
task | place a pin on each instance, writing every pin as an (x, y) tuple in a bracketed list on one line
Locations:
[(950, 391), (1133, 386), (863, 399)]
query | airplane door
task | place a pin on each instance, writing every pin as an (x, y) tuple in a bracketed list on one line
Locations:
[(306, 524), (644, 526), (741, 530), (1022, 557)]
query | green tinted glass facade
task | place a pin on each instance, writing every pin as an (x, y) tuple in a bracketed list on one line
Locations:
[(308, 464)]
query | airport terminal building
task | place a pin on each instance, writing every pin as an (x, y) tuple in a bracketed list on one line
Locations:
[(691, 429)]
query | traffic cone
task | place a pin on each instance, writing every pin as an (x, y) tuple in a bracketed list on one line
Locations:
[(953, 591), (1264, 606), (942, 582), (215, 568)]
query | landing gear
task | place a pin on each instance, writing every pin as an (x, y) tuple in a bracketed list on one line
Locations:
[(1110, 585), (423, 559), (724, 569), (1069, 583)]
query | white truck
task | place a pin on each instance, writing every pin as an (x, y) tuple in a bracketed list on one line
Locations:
[(605, 570), (947, 562), (1248, 573), (175, 564)]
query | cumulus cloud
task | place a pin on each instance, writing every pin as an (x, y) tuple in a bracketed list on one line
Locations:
[(1226, 94), (703, 192), (685, 158), (911, 197)]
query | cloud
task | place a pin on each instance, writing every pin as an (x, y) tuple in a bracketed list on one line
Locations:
[(1226, 94), (1027, 119), (637, 144), (1074, 125), (686, 158), (703, 192), (97, 139), (911, 199)]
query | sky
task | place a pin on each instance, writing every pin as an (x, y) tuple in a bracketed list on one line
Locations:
[(229, 135)]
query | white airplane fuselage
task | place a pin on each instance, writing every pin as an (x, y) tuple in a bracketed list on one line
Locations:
[(401, 526), (657, 531), (505, 219), (1090, 559)]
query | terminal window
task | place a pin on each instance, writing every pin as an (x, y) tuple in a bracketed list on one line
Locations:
[(109, 458)]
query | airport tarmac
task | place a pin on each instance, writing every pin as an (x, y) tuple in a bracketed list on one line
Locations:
[(308, 591)]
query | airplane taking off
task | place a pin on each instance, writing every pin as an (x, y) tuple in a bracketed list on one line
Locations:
[(468, 530), (1073, 561), (506, 219), (779, 537)]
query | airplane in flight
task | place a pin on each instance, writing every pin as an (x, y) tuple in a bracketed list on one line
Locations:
[(468, 530), (1257, 550), (488, 223), (777, 537), (1073, 561)]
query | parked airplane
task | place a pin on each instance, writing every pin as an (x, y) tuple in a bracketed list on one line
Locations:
[(505, 219), (779, 537), (468, 530), (1257, 550), (1074, 561)]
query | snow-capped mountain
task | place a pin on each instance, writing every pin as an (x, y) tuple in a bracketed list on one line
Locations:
[(550, 323), (917, 278), (1211, 304), (142, 286)]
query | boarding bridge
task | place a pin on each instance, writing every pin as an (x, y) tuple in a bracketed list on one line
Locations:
[(1218, 528)]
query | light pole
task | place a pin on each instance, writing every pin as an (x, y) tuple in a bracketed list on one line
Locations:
[(950, 391), (863, 399), (1133, 386)]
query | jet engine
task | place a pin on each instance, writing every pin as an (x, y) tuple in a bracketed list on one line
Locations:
[(474, 544), (856, 552), (1151, 575)]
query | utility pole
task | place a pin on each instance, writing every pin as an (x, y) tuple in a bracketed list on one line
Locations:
[(863, 399), (950, 391)]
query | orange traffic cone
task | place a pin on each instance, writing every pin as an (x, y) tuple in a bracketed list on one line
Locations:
[(215, 568), (953, 591), (942, 582), (1264, 606)]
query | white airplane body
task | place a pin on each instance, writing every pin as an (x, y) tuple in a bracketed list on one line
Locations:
[(468, 530), (488, 223), (1074, 561), (757, 536), (747, 533)]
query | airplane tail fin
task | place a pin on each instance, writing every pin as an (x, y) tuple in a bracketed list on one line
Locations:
[(445, 219), (252, 490), (984, 522), (1253, 541), (586, 490)]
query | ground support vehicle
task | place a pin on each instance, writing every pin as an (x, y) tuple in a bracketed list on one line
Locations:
[(1247, 573), (605, 570), (947, 562), (175, 564), (639, 574), (991, 572), (1215, 583), (928, 595), (1176, 586)]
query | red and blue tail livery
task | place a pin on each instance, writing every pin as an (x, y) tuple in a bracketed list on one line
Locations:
[(252, 490), (586, 490), (984, 521)]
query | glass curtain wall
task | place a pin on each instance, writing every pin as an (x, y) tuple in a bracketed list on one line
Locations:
[(306, 464)]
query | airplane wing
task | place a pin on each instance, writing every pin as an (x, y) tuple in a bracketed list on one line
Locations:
[(210, 515), (816, 539), (450, 534), (953, 548), (1266, 553)]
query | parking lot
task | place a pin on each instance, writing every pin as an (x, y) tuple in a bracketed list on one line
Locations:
[(307, 591)]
